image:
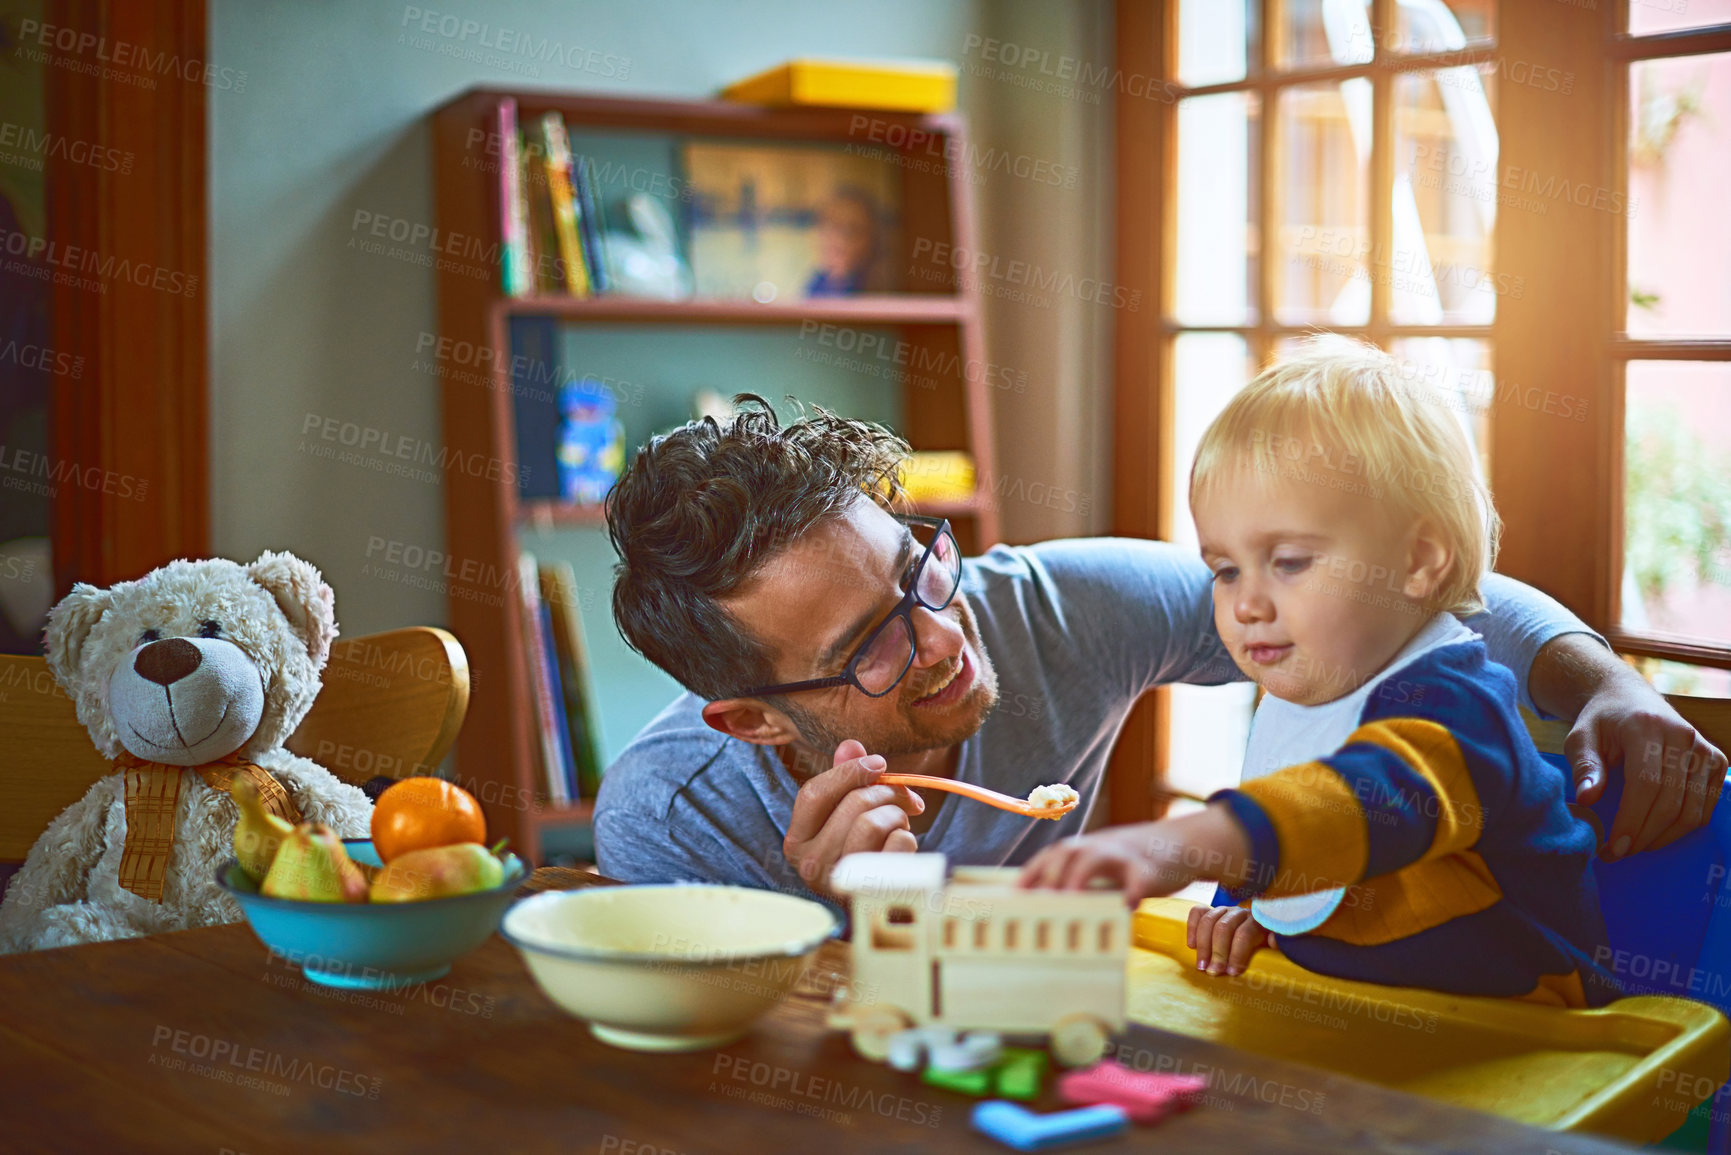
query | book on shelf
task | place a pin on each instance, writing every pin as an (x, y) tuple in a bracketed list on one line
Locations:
[(593, 230), (582, 712), (547, 275), (537, 649), (561, 202), (561, 726), (517, 271), (537, 369)]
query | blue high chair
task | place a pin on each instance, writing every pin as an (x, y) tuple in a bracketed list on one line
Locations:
[(1668, 911)]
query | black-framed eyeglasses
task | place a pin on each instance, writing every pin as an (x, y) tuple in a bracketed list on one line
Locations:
[(886, 655)]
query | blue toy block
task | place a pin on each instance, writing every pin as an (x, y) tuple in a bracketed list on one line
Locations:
[(1015, 1126)]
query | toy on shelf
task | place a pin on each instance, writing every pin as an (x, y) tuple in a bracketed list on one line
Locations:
[(591, 451), (976, 953)]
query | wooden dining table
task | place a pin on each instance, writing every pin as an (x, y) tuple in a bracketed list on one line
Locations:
[(198, 1041)]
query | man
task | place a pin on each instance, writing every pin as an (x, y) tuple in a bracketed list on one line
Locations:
[(824, 641)]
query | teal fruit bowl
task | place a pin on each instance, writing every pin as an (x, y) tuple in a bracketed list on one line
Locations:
[(372, 946)]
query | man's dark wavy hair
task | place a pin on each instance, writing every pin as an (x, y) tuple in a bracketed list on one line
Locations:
[(702, 509)]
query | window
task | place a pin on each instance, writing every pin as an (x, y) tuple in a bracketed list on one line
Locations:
[(1331, 169), (1671, 343), (1524, 205)]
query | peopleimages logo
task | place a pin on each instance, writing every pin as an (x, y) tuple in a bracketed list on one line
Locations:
[(517, 50), (1015, 279), (73, 260), (43, 145), (35, 36)]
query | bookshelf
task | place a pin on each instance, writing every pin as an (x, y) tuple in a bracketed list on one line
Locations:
[(940, 321)]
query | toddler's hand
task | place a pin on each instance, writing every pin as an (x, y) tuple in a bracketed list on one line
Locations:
[(1147, 858), (1224, 938), (1134, 858)]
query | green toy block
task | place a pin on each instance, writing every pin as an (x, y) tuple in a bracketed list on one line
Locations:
[(1021, 1073), (977, 1083)]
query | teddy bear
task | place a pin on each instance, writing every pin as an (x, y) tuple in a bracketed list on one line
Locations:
[(190, 676)]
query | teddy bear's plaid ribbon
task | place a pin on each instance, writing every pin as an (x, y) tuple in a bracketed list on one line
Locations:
[(153, 795)]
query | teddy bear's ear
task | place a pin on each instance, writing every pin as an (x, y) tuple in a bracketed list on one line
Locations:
[(305, 599), (69, 624)]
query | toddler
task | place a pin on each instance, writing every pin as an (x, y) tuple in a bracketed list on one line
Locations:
[(1395, 824)]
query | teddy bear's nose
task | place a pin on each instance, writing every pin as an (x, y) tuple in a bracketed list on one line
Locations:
[(167, 661)]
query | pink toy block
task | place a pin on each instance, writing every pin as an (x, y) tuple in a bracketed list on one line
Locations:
[(1146, 1097)]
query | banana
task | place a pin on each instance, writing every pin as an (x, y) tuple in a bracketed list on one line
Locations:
[(259, 834)]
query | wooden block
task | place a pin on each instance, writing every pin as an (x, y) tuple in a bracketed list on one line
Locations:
[(1145, 1096), (1021, 1073), (1015, 1126), (974, 1083)]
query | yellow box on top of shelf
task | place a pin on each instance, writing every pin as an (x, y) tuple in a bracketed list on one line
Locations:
[(938, 476), (1631, 1070), (888, 85)]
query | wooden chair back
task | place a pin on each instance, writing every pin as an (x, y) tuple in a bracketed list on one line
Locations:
[(1711, 718), (390, 704)]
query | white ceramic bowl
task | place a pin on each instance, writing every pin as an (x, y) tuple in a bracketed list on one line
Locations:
[(667, 968)]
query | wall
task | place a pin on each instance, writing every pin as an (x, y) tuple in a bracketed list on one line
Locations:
[(331, 123)]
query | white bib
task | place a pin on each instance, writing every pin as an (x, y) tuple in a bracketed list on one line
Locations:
[(1283, 734)]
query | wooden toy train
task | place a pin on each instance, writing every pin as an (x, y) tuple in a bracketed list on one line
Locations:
[(975, 952)]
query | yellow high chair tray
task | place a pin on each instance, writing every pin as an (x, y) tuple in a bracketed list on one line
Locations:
[(1631, 1070)]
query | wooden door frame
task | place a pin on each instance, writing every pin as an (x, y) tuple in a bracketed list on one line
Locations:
[(1141, 408), (129, 437)]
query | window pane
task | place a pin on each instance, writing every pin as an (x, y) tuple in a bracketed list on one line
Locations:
[(1647, 16), (1323, 149), (1677, 499), (1320, 33), (1682, 678), (1431, 27), (1216, 239), (1445, 200), (1455, 373), (1679, 168), (1208, 726), (1214, 38), (1207, 369)]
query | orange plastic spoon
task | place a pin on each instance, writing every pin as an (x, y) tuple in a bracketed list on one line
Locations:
[(980, 794)]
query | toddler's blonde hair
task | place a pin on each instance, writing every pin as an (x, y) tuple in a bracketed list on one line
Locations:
[(1341, 413)]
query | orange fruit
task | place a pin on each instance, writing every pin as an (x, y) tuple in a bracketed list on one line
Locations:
[(420, 813)]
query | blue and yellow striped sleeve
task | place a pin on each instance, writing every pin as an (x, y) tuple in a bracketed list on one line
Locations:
[(1412, 783)]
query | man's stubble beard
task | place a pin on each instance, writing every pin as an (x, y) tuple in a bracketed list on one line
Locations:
[(906, 737)]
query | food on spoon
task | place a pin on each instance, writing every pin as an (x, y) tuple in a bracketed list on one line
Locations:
[(421, 813), (1055, 797)]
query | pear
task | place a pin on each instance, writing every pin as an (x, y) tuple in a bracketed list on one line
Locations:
[(438, 872), (259, 833), (312, 866)]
